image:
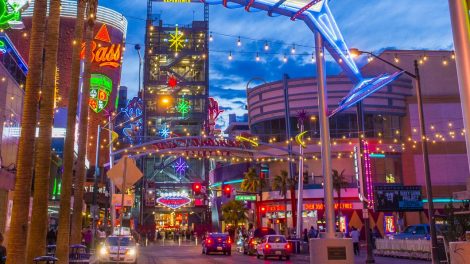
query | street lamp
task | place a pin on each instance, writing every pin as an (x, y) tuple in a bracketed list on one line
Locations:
[(424, 146)]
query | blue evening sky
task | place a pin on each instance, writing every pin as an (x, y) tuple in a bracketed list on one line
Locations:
[(367, 25)]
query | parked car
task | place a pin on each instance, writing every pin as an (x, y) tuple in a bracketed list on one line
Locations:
[(118, 249), (217, 242), (250, 243), (274, 245), (420, 231)]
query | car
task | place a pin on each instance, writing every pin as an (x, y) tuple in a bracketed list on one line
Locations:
[(250, 243), (118, 249), (274, 246), (217, 242), (420, 231)]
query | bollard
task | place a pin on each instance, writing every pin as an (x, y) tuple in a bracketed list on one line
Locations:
[(179, 241), (196, 241)]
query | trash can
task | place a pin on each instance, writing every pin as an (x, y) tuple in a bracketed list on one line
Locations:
[(50, 250), (78, 254)]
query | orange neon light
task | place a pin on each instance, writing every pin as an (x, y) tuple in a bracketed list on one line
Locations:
[(109, 55)]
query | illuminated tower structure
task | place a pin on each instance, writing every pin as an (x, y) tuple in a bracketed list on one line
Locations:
[(175, 94)]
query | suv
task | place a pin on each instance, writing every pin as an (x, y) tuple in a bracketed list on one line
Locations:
[(217, 242)]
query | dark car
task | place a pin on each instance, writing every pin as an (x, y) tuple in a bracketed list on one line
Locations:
[(420, 231), (250, 243), (217, 242)]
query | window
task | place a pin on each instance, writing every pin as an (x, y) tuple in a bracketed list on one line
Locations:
[(277, 239)]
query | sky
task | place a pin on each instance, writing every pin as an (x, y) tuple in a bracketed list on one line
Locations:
[(368, 25)]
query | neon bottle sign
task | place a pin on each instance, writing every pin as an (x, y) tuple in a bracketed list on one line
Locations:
[(10, 13), (104, 55)]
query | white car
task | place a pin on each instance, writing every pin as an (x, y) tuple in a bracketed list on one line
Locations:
[(118, 249), (273, 246)]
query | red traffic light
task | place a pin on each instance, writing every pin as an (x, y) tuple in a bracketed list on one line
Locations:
[(263, 209), (197, 187), (227, 190)]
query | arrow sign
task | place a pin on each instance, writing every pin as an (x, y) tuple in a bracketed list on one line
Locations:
[(125, 173)]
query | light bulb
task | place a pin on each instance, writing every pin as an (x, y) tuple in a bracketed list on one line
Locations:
[(285, 58), (239, 42), (230, 56), (293, 49), (257, 57), (210, 37), (266, 46)]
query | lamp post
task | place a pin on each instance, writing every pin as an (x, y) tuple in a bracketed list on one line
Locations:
[(424, 146)]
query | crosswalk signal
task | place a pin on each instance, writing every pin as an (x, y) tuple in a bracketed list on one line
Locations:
[(227, 189)]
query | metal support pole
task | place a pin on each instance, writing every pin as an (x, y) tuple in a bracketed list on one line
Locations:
[(111, 184), (300, 188), (325, 137), (95, 208), (460, 18), (427, 172), (365, 208)]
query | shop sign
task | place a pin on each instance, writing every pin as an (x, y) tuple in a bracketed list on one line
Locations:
[(389, 223), (101, 87), (275, 208), (173, 202), (321, 206), (128, 200), (204, 142), (245, 197), (104, 53)]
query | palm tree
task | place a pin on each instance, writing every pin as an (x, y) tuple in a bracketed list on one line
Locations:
[(36, 245), (24, 174), (83, 128), (253, 183), (283, 183), (234, 212), (63, 233), (339, 182)]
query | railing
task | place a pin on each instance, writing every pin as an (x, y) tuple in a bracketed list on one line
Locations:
[(404, 248)]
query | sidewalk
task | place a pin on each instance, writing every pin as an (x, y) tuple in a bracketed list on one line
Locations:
[(378, 260)]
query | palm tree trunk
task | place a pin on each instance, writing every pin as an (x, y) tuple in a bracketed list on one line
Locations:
[(63, 234), (36, 245), (83, 128), (24, 173)]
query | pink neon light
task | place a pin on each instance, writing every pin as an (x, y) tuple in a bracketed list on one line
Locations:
[(368, 172)]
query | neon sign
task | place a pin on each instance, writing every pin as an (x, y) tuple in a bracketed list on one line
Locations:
[(100, 90), (183, 107), (176, 40), (368, 172), (134, 111), (214, 112), (180, 166), (104, 55), (10, 13), (173, 202), (389, 222), (3, 47)]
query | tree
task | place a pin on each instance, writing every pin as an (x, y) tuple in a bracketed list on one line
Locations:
[(283, 183), (24, 173), (63, 233), (83, 128), (36, 245), (234, 212), (339, 182), (253, 183)]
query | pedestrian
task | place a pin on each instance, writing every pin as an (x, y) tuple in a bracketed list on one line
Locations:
[(305, 235), (88, 238), (355, 239), (3, 250), (51, 236)]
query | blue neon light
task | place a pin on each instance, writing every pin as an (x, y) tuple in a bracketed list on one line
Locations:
[(10, 47), (377, 155), (217, 184), (444, 200)]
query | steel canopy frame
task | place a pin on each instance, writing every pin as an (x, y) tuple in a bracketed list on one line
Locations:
[(318, 17)]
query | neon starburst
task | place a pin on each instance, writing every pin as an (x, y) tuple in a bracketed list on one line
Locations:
[(180, 166), (176, 40), (183, 107), (164, 131)]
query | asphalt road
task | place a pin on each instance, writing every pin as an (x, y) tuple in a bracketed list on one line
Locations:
[(173, 253), (191, 254)]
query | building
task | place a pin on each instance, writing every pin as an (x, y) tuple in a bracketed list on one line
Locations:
[(391, 131), (176, 102), (108, 39), (13, 70)]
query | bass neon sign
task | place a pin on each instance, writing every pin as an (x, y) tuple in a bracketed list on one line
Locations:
[(104, 55), (100, 90), (173, 202)]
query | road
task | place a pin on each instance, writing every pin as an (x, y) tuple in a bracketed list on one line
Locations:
[(173, 253)]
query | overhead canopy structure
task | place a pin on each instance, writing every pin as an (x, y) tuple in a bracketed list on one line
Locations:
[(318, 17)]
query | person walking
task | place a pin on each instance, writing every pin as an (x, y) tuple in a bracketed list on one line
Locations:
[(355, 239), (3, 251)]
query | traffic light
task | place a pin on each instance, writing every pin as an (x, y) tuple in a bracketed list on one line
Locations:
[(197, 188), (263, 211), (227, 189)]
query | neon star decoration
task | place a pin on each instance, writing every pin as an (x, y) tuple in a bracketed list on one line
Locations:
[(180, 166), (164, 131), (183, 107), (172, 81), (176, 40)]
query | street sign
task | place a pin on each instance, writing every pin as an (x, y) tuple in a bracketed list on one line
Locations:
[(245, 198), (125, 173)]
